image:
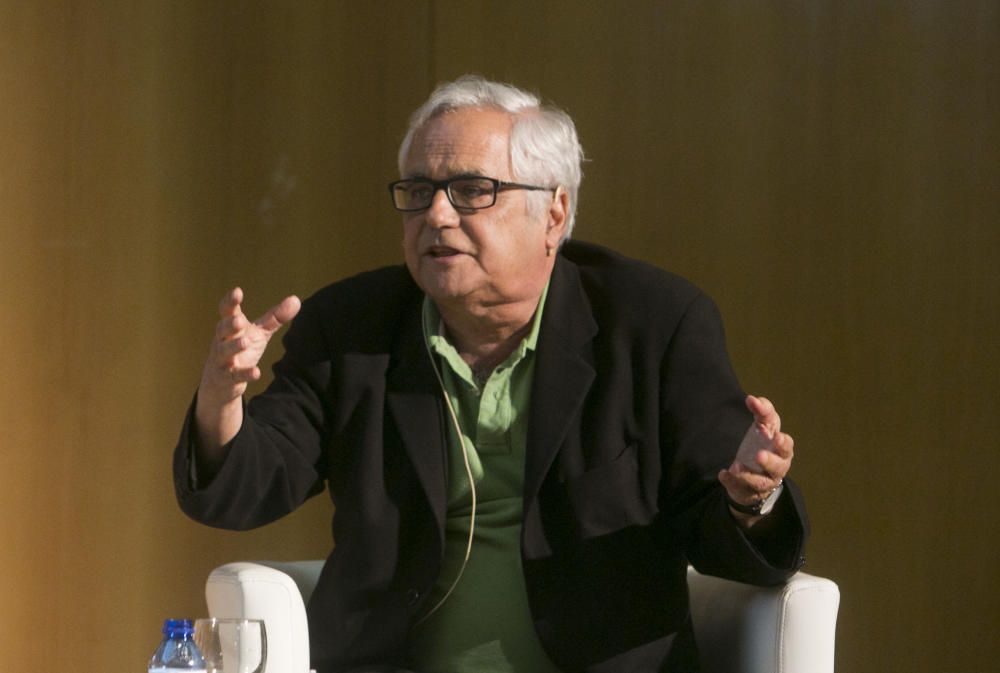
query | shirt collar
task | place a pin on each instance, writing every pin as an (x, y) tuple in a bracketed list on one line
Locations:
[(434, 336)]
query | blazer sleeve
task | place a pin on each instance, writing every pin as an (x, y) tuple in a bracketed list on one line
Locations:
[(704, 418), (274, 463)]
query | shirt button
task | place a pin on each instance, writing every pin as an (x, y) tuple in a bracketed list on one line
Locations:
[(412, 597)]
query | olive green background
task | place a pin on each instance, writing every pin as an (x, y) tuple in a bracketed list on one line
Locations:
[(826, 170)]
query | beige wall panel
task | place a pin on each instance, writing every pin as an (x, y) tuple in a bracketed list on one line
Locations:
[(154, 154), (828, 172)]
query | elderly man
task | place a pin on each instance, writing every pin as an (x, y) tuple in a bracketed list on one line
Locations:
[(526, 439)]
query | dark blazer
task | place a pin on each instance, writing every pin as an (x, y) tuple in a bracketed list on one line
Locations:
[(635, 409)]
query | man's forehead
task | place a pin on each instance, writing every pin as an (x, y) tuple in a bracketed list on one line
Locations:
[(473, 141)]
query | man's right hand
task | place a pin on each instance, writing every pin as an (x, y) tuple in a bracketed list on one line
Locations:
[(232, 362)]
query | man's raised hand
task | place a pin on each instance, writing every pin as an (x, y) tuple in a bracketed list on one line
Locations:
[(232, 362), (239, 345)]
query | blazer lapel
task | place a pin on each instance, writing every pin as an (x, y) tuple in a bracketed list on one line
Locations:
[(563, 372), (414, 401)]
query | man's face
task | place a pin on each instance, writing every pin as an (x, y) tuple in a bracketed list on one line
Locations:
[(479, 258)]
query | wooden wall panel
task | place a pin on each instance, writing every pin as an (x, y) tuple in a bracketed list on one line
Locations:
[(154, 154), (826, 170)]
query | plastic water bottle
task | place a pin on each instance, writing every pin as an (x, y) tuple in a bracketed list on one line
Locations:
[(177, 651)]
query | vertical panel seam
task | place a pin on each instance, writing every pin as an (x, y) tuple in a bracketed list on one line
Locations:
[(432, 76)]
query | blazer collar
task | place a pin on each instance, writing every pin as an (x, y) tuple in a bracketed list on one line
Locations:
[(413, 396)]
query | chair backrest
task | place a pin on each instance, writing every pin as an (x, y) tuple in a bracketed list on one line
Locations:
[(739, 628)]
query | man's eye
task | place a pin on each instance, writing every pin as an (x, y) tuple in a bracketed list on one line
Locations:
[(419, 191), (473, 191)]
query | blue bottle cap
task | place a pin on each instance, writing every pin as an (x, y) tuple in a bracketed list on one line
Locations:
[(174, 628)]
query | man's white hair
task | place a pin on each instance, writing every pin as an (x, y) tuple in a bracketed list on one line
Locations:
[(544, 148)]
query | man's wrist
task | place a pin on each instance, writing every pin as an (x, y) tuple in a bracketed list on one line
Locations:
[(760, 507)]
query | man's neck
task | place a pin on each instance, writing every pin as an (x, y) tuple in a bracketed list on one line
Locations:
[(485, 336)]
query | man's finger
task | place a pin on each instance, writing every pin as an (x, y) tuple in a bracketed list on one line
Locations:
[(279, 314), (764, 413), (748, 485), (775, 467), (228, 349), (245, 375), (229, 305), (784, 445), (231, 326)]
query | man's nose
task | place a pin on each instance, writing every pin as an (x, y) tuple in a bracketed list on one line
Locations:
[(441, 213)]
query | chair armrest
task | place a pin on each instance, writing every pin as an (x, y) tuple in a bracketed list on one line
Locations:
[(747, 629), (272, 592)]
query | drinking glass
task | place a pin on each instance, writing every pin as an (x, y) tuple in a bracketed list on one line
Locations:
[(232, 645)]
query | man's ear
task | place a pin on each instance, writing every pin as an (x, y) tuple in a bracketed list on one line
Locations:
[(558, 211)]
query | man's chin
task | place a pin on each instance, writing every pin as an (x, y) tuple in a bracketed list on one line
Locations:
[(442, 287)]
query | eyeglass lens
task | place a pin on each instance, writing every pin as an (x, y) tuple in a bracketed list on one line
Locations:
[(462, 192)]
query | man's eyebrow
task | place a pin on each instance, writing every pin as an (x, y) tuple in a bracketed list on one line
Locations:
[(464, 173)]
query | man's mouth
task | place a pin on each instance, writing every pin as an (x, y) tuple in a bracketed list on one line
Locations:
[(442, 251)]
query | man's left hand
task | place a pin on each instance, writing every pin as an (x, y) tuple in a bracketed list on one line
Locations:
[(769, 454)]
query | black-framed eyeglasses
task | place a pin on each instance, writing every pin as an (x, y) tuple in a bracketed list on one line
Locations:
[(468, 192)]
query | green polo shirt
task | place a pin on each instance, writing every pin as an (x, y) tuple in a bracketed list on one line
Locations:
[(484, 625)]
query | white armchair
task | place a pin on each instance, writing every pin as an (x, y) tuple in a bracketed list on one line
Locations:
[(739, 628)]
